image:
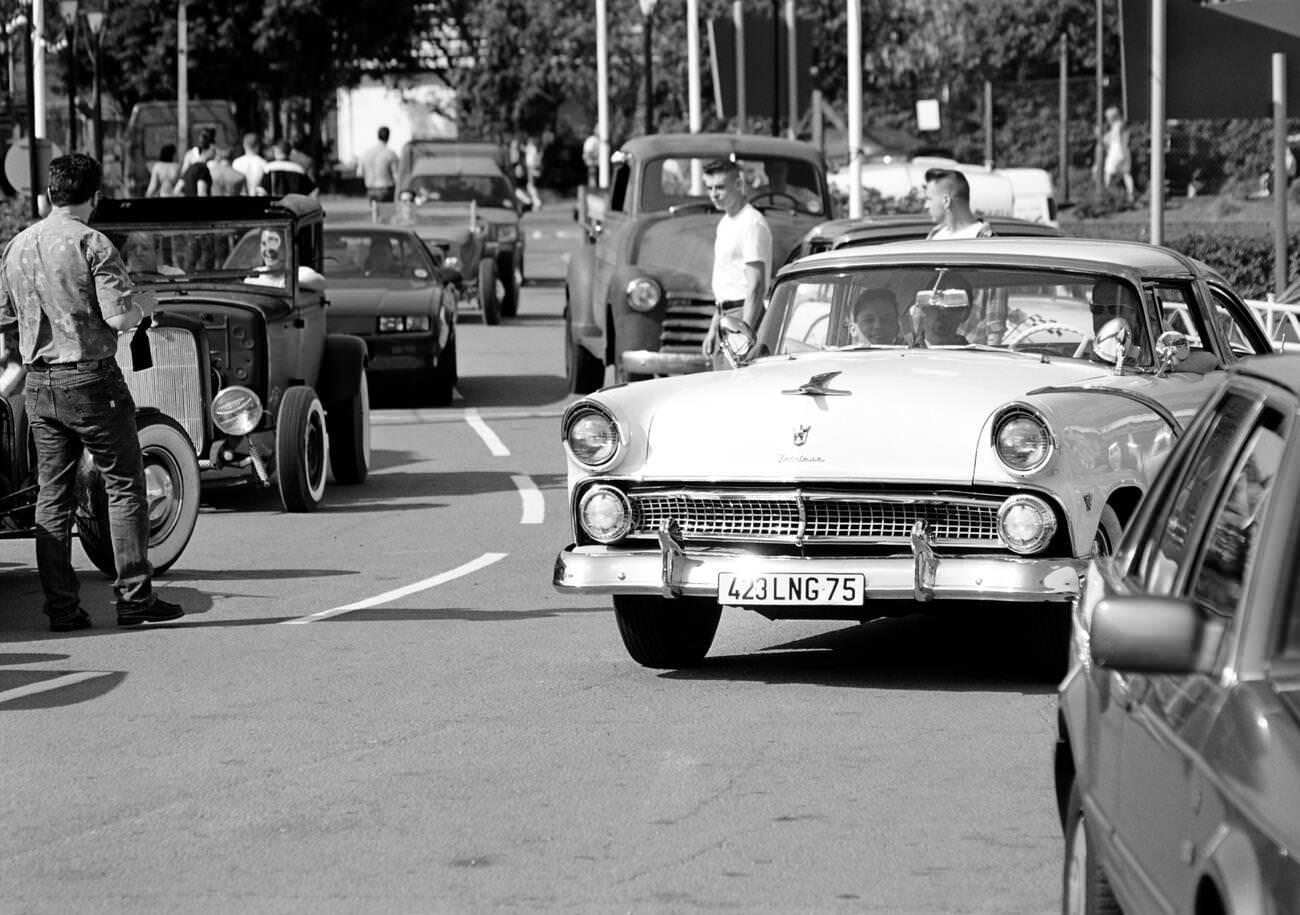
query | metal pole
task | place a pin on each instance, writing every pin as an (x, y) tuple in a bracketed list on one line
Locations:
[(988, 124), (1157, 189), (99, 106), (1064, 102), (1280, 260), (792, 69), (649, 77), (854, 59), (738, 17), (1100, 152), (33, 142), (776, 68), (695, 105), (182, 77), (602, 89), (38, 67), (72, 84)]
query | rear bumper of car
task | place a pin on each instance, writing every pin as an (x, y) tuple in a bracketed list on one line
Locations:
[(653, 362), (673, 571), (401, 353)]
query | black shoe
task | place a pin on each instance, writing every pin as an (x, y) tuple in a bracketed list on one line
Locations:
[(79, 620), (156, 611)]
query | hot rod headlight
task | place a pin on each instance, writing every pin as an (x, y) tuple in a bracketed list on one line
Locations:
[(643, 294), (1026, 523), (1023, 441), (236, 410), (604, 514), (591, 434)]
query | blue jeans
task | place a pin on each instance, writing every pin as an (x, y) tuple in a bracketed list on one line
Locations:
[(71, 408)]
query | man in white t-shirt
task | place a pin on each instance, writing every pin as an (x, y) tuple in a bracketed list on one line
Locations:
[(742, 252), (947, 199), (251, 164)]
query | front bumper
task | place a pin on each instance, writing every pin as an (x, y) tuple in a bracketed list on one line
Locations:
[(401, 352), (672, 571), (652, 362)]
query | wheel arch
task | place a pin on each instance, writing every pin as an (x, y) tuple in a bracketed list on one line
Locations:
[(1125, 501), (1232, 881), (345, 359)]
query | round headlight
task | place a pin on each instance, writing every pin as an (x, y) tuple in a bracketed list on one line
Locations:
[(236, 410), (452, 262), (592, 437), (605, 514), (1026, 523), (643, 294), (1023, 442)]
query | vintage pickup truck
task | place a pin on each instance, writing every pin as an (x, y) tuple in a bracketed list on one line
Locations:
[(637, 293)]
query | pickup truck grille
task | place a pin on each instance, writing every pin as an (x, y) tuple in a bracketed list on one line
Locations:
[(807, 517), (685, 324)]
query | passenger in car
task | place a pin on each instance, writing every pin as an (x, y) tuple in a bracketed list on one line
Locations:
[(271, 246), (1113, 299), (875, 318)]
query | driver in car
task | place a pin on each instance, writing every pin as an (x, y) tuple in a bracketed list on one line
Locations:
[(875, 319), (938, 316), (270, 272), (1112, 299)]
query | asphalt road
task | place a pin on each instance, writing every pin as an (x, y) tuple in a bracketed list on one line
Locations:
[(385, 708)]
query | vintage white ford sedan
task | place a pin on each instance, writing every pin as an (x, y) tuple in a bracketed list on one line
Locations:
[(928, 420)]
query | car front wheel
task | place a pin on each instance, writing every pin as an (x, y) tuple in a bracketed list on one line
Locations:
[(665, 632), (1084, 887), (487, 291), (301, 450), (171, 480), (349, 435)]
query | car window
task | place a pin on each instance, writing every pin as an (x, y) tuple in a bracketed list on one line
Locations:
[(1159, 562), (771, 183), (618, 188), (1233, 323), (377, 255), (1217, 579)]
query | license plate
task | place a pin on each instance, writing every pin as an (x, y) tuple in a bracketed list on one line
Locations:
[(837, 589)]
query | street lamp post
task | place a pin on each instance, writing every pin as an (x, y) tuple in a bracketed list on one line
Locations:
[(648, 10), (69, 10), (95, 23)]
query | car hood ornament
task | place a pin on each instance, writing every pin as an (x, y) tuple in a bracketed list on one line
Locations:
[(816, 386)]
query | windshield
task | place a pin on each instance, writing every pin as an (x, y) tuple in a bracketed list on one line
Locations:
[(353, 255), (1041, 311), (484, 190), (783, 184), (232, 251)]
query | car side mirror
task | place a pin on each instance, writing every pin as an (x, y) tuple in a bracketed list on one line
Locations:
[(1113, 341), (1172, 349), (1148, 634), (737, 340)]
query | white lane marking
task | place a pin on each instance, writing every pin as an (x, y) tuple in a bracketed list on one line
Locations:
[(534, 507), (472, 566), (494, 444), (45, 686)]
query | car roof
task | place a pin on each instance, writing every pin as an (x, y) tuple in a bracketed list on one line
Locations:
[(701, 145), (456, 165), (894, 223), (1282, 369), (1078, 253), (185, 210), (368, 228)]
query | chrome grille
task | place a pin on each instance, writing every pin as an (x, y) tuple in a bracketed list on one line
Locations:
[(173, 384), (794, 516), (685, 324)]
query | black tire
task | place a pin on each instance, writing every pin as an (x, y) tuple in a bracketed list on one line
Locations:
[(583, 372), (664, 632), (441, 379), (1084, 887), (171, 473), (510, 282), (1108, 532), (301, 450), (348, 423), (487, 291)]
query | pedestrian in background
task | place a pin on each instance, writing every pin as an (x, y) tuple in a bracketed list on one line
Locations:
[(742, 253), (65, 286), (378, 166), (227, 181), (207, 139), (533, 167), (591, 158), (947, 199), (164, 173), (251, 163), (1116, 161)]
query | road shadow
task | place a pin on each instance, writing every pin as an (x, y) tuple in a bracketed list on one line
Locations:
[(444, 614), (978, 648), (514, 390)]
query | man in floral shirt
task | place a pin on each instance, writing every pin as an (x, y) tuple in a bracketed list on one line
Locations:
[(65, 287)]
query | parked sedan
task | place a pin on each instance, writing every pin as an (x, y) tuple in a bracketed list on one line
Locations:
[(387, 287), (1178, 759), (932, 420)]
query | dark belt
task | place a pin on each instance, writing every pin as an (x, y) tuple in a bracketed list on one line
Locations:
[(729, 305), (85, 365)]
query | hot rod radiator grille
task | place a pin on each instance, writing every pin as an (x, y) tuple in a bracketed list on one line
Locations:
[(173, 384), (685, 324), (816, 518)]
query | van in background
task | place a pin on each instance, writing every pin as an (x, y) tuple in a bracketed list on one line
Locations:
[(152, 125)]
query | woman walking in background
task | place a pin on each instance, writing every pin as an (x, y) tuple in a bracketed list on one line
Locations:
[(164, 173), (1117, 162)]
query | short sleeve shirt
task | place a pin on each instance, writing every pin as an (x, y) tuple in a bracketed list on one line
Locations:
[(379, 166), (60, 281), (742, 239), (980, 229)]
